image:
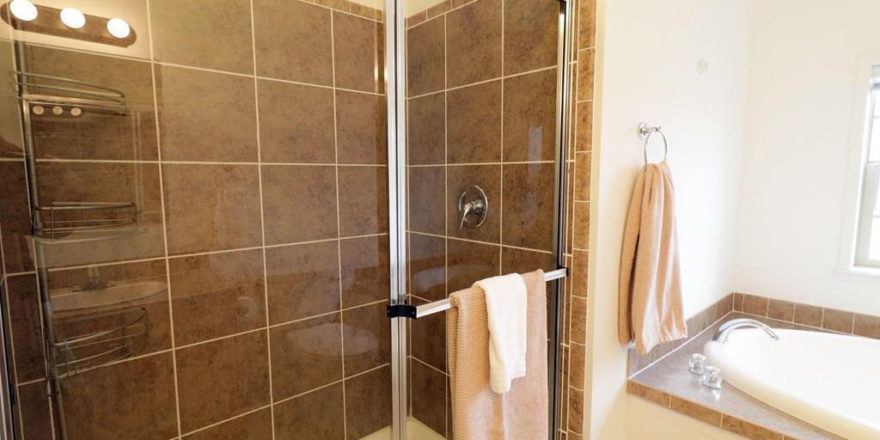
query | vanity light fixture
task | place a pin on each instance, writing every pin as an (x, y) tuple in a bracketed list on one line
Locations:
[(27, 16), (73, 18), (118, 27), (23, 10)]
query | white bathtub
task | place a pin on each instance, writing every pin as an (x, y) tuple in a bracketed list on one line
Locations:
[(828, 380)]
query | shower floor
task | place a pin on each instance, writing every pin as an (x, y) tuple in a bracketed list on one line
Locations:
[(415, 430)]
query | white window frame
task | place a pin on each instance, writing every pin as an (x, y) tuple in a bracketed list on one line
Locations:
[(870, 186), (849, 266)]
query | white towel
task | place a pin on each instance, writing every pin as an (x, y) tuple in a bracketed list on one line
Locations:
[(506, 312)]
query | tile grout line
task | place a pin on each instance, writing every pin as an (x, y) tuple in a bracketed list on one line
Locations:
[(465, 164), (338, 223), (199, 254), (164, 219), (486, 243), (204, 162), (262, 217), (427, 365), (484, 81)]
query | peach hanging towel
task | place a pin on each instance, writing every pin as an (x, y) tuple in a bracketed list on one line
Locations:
[(478, 413), (650, 303)]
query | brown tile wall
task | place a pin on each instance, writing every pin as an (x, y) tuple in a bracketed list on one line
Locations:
[(481, 79), (256, 152), (695, 324), (823, 318)]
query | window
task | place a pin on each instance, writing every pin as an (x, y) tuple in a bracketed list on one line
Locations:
[(868, 238)]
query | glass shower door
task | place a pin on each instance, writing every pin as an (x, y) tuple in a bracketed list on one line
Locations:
[(193, 206), (480, 91)]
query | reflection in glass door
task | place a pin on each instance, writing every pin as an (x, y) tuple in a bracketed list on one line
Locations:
[(193, 205), (201, 218)]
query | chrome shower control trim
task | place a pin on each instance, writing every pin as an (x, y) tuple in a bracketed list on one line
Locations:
[(473, 207)]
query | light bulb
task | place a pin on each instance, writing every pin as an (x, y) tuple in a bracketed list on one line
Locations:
[(73, 18), (23, 10), (118, 28)]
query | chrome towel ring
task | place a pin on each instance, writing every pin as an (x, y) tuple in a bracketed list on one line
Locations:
[(645, 132)]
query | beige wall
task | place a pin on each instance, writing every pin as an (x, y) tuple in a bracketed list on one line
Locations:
[(649, 70)]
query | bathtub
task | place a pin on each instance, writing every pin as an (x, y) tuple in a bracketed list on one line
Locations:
[(828, 380)]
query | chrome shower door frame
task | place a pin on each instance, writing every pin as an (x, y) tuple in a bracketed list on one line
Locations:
[(395, 77), (395, 92)]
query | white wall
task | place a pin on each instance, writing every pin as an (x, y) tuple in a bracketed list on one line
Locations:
[(652, 422), (647, 69), (800, 131)]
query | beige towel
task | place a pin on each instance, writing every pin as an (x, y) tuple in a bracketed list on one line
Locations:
[(478, 412), (650, 306)]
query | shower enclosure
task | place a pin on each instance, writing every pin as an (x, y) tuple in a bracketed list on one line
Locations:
[(215, 215)]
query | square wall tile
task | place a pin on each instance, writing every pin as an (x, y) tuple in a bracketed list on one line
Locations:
[(426, 60), (15, 217), (523, 261), (587, 24), (581, 225), (362, 129), (306, 355), (131, 76), (781, 310), (136, 183), (303, 280), (838, 320), (458, 179), (254, 426), (299, 203), (530, 117), (470, 262), (366, 338), (474, 118), (217, 295), (131, 400), (358, 45), (808, 315), (318, 415), (70, 321), (26, 327), (33, 409), (583, 172), (364, 270), (211, 207), (296, 123), (95, 135), (363, 200), (584, 139), (206, 116), (293, 41), (585, 74), (474, 40), (428, 337), (373, 387), (427, 209), (867, 325), (531, 33), (429, 396), (426, 129), (183, 32), (427, 266), (221, 379)]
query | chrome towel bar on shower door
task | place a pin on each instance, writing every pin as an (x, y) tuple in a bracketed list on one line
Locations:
[(415, 312)]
